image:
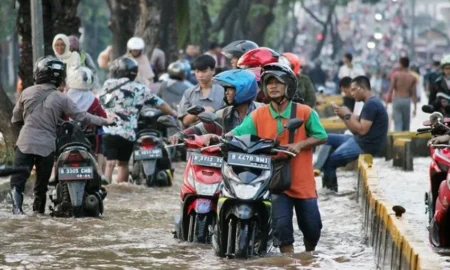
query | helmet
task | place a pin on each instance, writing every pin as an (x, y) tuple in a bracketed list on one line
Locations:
[(136, 43), (445, 60), (187, 66), (294, 61), (177, 70), (238, 48), (81, 78), (242, 80), (123, 67), (49, 69), (284, 74), (258, 57)]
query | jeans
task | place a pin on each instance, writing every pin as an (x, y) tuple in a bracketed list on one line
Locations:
[(308, 218), (401, 113), (44, 167), (345, 150)]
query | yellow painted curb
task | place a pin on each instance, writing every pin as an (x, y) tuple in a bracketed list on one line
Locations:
[(393, 240)]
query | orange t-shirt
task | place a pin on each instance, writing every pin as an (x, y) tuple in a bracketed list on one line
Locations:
[(265, 125)]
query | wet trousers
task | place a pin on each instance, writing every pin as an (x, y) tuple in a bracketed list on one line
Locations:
[(43, 165)]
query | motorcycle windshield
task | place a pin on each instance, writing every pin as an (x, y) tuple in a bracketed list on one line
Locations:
[(250, 144)]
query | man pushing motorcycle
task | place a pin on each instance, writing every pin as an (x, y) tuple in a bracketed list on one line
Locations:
[(279, 84)]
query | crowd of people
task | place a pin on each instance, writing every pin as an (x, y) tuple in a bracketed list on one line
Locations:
[(251, 89)]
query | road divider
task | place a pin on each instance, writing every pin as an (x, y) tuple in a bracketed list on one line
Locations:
[(393, 240)]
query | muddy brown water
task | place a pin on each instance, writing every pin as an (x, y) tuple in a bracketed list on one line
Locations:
[(136, 233)]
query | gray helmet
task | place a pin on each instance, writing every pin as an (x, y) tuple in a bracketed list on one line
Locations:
[(177, 71)]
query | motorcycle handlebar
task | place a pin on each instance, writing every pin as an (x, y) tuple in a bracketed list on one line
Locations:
[(7, 171), (278, 150)]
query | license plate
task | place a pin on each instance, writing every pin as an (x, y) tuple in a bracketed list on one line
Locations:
[(248, 160), (75, 173), (208, 161), (148, 154)]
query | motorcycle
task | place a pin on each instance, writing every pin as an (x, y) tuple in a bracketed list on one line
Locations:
[(152, 163), (200, 191), (77, 187), (244, 208), (439, 193)]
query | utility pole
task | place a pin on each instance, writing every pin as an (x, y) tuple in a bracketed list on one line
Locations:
[(413, 30), (37, 29)]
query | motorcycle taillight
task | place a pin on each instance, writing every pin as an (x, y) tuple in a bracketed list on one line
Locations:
[(75, 158), (147, 144)]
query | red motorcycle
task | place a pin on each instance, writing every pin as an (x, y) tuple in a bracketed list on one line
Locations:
[(438, 197), (200, 191)]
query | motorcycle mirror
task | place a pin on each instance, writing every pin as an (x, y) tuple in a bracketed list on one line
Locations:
[(195, 110), (293, 124), (167, 121), (427, 109), (208, 117)]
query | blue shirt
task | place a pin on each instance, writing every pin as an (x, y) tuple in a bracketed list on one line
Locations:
[(374, 111)]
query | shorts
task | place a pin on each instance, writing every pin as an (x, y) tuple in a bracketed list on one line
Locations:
[(117, 148)]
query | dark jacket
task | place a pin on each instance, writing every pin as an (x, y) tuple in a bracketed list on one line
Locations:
[(439, 86)]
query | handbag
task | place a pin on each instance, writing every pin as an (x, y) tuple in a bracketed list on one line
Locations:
[(281, 169)]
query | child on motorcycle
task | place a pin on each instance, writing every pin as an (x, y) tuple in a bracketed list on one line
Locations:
[(39, 110)]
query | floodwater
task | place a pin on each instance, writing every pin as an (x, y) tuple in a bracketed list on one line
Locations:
[(136, 233)]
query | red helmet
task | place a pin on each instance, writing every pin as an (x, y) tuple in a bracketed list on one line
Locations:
[(258, 57), (294, 60)]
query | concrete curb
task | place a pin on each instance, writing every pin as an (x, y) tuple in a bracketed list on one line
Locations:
[(393, 240)]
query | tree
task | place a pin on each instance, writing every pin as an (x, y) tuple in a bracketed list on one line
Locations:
[(124, 15), (149, 24)]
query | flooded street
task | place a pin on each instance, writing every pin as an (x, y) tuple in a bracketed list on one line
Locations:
[(136, 234)]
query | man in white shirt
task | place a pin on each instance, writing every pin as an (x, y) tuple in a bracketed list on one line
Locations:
[(349, 70)]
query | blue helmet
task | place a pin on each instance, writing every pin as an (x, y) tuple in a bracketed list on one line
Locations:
[(242, 80), (187, 67)]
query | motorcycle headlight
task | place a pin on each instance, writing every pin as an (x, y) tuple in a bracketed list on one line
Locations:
[(245, 191), (206, 189)]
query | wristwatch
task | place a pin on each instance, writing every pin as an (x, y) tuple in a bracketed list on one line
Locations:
[(347, 116)]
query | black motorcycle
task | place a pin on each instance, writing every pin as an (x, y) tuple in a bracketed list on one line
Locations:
[(244, 208), (151, 160), (77, 187)]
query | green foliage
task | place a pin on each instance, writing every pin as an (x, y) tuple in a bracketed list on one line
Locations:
[(257, 9), (182, 20), (7, 19), (273, 33), (94, 15), (6, 155)]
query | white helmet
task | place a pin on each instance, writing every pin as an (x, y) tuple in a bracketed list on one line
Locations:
[(81, 78), (445, 60), (136, 43)]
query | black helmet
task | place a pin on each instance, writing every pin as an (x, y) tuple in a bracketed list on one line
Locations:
[(238, 48), (49, 69), (123, 67), (284, 74), (177, 71)]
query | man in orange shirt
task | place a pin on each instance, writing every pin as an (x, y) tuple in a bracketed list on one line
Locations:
[(279, 84)]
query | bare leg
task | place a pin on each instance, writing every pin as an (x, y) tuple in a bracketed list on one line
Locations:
[(122, 171), (110, 164), (101, 162)]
